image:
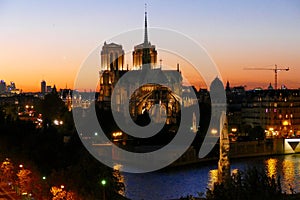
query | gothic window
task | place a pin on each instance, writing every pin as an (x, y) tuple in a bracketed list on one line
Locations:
[(111, 61), (116, 61)]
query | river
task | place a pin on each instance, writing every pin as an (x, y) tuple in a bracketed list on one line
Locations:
[(173, 183)]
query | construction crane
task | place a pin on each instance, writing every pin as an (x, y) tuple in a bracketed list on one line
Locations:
[(275, 69)]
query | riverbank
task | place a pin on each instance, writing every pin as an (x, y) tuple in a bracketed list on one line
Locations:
[(247, 149)]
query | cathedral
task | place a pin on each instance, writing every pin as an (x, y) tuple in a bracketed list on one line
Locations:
[(144, 66)]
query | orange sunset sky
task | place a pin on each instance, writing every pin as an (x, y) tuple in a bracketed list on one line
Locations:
[(51, 39)]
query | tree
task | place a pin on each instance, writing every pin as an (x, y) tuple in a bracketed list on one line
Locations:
[(51, 107), (7, 171), (25, 181), (257, 133), (252, 184), (59, 193)]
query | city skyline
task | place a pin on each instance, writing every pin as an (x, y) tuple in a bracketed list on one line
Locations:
[(40, 44)]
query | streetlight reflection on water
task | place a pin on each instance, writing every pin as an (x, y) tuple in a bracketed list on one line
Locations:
[(285, 169), (274, 167), (196, 178), (271, 167), (288, 175)]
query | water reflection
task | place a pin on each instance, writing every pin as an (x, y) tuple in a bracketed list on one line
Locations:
[(212, 178), (174, 183), (271, 166), (288, 173)]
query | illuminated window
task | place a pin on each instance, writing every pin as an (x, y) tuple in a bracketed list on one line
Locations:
[(259, 99), (285, 123)]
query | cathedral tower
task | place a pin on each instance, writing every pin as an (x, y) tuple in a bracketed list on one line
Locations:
[(144, 53), (112, 57), (112, 63)]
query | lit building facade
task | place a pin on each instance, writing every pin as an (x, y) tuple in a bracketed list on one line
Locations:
[(112, 57), (112, 67), (144, 65), (235, 97), (276, 111)]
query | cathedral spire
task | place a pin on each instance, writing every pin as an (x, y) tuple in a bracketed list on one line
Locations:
[(146, 31)]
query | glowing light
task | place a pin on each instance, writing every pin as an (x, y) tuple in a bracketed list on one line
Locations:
[(117, 134), (214, 131), (271, 167), (56, 122), (234, 130), (103, 182), (118, 167), (288, 169), (285, 123)]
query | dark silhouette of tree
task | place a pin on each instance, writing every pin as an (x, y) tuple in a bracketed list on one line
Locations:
[(257, 133), (61, 162), (51, 107), (252, 184)]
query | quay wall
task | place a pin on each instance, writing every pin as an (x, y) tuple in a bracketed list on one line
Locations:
[(280, 146)]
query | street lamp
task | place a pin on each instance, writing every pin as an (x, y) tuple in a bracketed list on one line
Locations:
[(103, 182)]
